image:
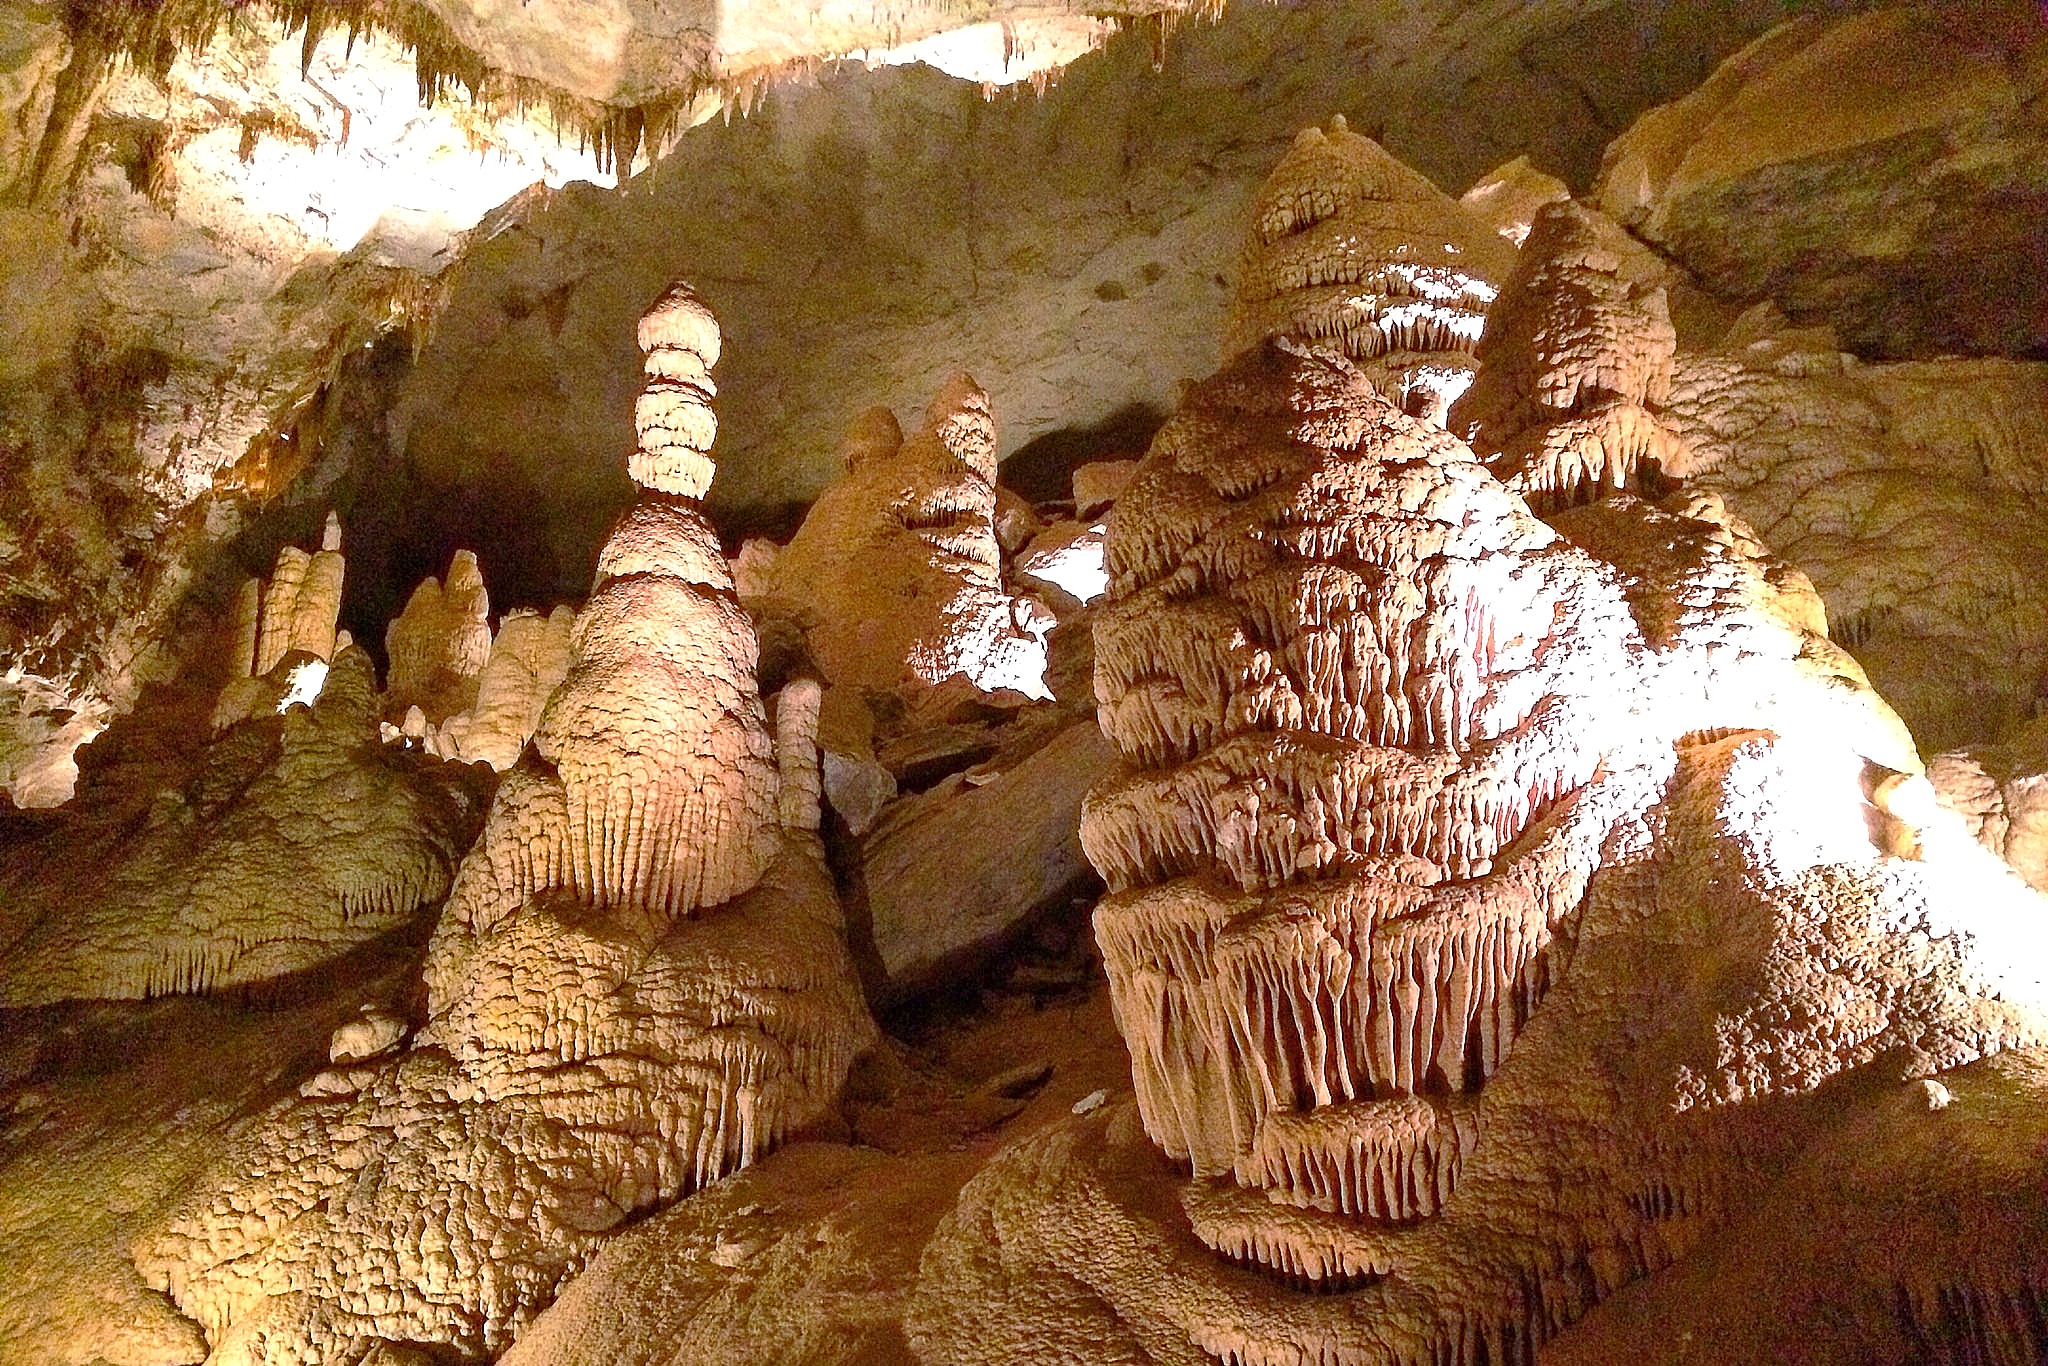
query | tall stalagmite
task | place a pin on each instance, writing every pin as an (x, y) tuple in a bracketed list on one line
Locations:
[(639, 982), (1488, 903)]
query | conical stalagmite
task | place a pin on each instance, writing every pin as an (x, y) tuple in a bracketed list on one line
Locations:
[(639, 982), (1352, 249), (657, 732), (1576, 363)]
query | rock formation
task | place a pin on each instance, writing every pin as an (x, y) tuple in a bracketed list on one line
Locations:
[(2001, 792), (1909, 492), (1576, 363), (1895, 487), (529, 658), (285, 843), (1816, 169), (638, 984), (1462, 879), (1352, 248), (290, 614), (440, 643), (895, 576)]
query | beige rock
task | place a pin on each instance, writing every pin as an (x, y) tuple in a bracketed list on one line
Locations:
[(2001, 792), (1507, 197), (439, 645), (799, 784), (1818, 169), (1016, 520), (198, 877), (753, 569), (1390, 744), (1908, 493), (1575, 363), (943, 890), (1351, 248), (280, 607), (1097, 485), (895, 576), (528, 660)]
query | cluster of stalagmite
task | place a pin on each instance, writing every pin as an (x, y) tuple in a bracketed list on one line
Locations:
[(458, 690), (290, 840), (1575, 362), (639, 982), (292, 613), (1489, 901), (895, 576), (1352, 249)]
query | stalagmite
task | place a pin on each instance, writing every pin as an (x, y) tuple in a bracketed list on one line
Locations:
[(440, 643), (247, 628), (656, 732), (280, 607), (1360, 780), (1576, 363), (895, 576), (639, 982), (800, 782), (529, 657), (1352, 249), (1492, 902)]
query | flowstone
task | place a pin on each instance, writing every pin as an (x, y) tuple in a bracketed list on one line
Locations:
[(638, 985), (288, 841)]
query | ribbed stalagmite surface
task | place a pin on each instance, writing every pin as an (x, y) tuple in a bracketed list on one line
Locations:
[(895, 576), (639, 982), (1350, 248), (529, 658), (1358, 681), (1490, 902), (657, 733), (1576, 362)]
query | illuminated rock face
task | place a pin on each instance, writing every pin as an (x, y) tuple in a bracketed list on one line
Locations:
[(1489, 902), (639, 984), (896, 574), (1577, 361), (1351, 248)]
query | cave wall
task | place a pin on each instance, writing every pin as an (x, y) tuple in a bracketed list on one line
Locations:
[(867, 234)]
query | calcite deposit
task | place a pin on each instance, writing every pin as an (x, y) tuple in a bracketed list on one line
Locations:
[(1417, 789), (1349, 246), (895, 577), (638, 985), (288, 841), (1413, 848)]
